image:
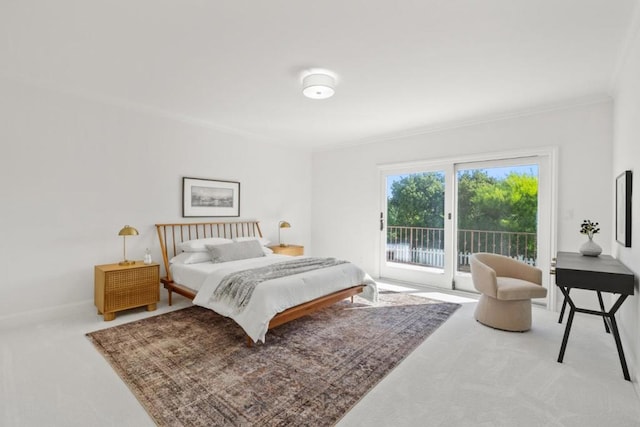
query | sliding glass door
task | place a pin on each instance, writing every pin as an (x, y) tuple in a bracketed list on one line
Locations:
[(497, 212), (414, 222), (435, 216)]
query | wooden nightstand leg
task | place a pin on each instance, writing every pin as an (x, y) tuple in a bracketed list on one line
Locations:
[(109, 316), (151, 307)]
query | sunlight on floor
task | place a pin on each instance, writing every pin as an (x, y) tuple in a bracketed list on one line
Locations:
[(394, 288), (445, 297), (440, 296)]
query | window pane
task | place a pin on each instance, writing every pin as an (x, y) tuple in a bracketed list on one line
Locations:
[(497, 212), (415, 219)]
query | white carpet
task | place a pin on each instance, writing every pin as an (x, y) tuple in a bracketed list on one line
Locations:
[(465, 374)]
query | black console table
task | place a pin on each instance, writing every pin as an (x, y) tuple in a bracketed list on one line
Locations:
[(600, 274)]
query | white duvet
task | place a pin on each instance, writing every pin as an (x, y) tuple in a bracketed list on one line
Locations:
[(273, 296)]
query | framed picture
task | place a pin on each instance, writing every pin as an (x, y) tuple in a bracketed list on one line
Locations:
[(209, 197), (623, 209)]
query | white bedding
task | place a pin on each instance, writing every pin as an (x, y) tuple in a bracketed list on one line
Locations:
[(192, 275), (272, 296)]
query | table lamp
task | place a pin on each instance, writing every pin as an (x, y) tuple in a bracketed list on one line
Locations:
[(281, 225), (126, 231)]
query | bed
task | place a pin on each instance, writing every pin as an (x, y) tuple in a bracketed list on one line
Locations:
[(274, 302)]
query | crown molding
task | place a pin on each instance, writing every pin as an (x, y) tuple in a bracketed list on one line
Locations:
[(466, 122)]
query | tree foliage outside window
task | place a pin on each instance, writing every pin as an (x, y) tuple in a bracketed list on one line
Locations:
[(484, 202), (417, 200), (495, 213), (507, 204)]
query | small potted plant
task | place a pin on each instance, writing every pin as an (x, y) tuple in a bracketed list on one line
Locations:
[(590, 248)]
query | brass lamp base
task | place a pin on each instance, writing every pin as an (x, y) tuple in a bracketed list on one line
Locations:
[(125, 262)]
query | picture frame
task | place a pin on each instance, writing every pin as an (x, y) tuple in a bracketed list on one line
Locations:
[(210, 198), (623, 209)]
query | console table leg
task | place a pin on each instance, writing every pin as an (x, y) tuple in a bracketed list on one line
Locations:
[(616, 336), (567, 330), (564, 306), (604, 317)]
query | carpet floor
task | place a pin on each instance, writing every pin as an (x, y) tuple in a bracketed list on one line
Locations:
[(192, 367)]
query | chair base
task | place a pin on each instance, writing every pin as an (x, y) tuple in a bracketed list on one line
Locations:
[(508, 315)]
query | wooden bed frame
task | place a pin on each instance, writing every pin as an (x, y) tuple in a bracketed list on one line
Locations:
[(171, 235)]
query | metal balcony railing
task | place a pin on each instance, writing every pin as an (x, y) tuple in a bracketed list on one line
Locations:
[(425, 246)]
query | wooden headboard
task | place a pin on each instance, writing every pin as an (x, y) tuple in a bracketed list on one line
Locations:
[(171, 235)]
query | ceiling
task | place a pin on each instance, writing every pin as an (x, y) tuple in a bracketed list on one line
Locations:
[(403, 66)]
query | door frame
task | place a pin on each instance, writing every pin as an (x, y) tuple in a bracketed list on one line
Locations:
[(547, 245), (410, 273), (462, 280)]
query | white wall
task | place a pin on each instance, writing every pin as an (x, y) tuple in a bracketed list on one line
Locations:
[(346, 193), (74, 171), (626, 156)]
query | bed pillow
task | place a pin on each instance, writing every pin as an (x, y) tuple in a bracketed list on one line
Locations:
[(235, 251), (199, 245), (191, 258), (264, 242)]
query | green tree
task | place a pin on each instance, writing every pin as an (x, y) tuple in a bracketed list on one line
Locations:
[(417, 200), (508, 204), (521, 190), (471, 215), (484, 202)]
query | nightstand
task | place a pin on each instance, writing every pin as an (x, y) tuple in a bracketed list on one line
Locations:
[(293, 250), (120, 287)]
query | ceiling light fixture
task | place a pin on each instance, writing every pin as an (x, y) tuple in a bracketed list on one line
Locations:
[(318, 86)]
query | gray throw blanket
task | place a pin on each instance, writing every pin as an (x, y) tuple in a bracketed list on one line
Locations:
[(236, 288)]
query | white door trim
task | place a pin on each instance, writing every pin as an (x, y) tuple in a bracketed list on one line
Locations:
[(549, 244)]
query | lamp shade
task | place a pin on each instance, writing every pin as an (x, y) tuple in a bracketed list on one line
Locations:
[(318, 86), (127, 230), (281, 225)]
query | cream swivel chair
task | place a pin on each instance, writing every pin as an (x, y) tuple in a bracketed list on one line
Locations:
[(506, 286)]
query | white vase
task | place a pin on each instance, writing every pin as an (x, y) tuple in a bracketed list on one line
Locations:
[(590, 248)]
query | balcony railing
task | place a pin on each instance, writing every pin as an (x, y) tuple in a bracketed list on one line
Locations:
[(425, 246)]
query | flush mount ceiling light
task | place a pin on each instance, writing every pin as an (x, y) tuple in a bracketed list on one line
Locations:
[(318, 86)]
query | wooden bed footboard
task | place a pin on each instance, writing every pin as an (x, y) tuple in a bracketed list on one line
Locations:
[(287, 315)]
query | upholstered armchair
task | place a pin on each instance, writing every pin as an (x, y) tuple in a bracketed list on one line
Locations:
[(506, 287)]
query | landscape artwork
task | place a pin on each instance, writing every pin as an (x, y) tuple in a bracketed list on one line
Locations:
[(210, 198)]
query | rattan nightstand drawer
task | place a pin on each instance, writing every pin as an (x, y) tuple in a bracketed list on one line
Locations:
[(292, 250), (120, 287)]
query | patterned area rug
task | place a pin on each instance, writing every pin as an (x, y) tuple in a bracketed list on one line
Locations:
[(192, 367)]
